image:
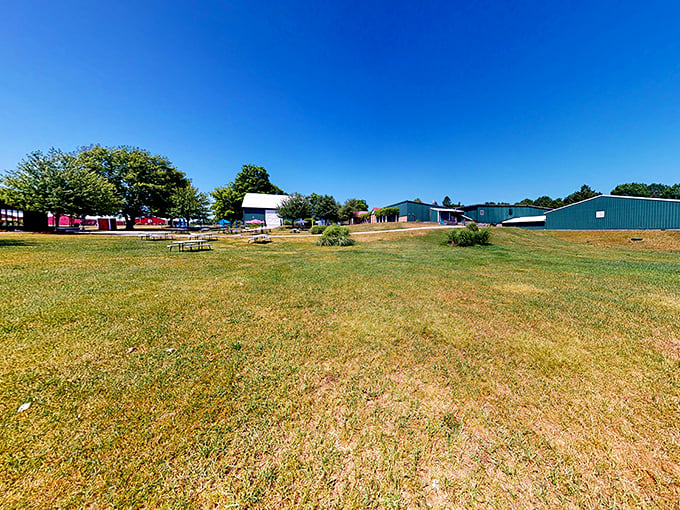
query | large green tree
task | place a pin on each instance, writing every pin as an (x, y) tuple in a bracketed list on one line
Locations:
[(228, 199), (56, 182), (294, 207), (189, 203), (350, 207), (324, 207), (144, 182), (584, 193), (654, 190), (632, 189)]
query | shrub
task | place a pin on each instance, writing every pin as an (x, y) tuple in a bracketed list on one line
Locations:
[(287, 222), (318, 229), (483, 236), (335, 235), (468, 236)]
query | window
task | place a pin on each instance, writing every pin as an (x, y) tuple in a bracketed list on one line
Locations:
[(599, 214), (510, 211), (481, 212)]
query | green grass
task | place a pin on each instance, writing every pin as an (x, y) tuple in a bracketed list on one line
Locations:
[(540, 371)]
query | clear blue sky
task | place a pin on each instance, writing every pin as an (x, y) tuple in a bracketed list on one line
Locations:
[(386, 101)]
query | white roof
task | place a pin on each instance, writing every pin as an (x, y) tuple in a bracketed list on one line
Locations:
[(262, 201), (524, 219)]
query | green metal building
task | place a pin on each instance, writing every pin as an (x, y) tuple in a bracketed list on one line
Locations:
[(496, 214), (612, 212), (418, 211)]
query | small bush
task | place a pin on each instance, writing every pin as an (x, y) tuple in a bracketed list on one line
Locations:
[(335, 235), (483, 236), (287, 222), (469, 236), (318, 229)]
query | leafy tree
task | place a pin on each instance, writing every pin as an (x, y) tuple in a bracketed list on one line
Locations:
[(226, 203), (446, 202), (228, 199), (144, 182), (190, 204), (350, 207), (657, 190), (632, 189), (55, 182), (324, 207), (584, 193), (672, 192), (294, 207), (387, 213), (417, 200), (544, 201), (526, 201)]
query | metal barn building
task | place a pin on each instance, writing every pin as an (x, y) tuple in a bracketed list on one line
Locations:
[(612, 212), (495, 214), (418, 211), (262, 207)]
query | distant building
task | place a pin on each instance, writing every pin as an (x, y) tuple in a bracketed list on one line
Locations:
[(496, 214), (12, 218), (260, 206), (151, 220), (418, 211)]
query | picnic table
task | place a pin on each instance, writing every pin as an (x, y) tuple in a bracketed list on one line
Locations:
[(191, 245), (207, 236), (159, 236), (260, 238)]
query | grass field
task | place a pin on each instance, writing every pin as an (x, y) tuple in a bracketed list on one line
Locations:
[(539, 372)]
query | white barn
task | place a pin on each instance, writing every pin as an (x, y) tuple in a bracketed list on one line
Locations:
[(260, 206)]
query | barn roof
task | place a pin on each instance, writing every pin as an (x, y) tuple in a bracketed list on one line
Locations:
[(262, 201)]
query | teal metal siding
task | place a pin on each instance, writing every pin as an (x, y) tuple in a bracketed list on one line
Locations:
[(620, 213), (253, 214), (496, 214), (415, 211)]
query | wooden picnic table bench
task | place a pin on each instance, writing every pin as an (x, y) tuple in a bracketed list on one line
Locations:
[(191, 245), (159, 236), (208, 236), (260, 238)]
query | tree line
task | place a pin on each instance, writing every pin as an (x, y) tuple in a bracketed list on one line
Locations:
[(227, 200), (133, 183), (631, 189), (99, 180)]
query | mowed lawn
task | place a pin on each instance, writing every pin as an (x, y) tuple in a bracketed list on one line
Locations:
[(542, 371)]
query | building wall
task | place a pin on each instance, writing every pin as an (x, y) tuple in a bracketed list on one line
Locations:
[(253, 214), (497, 214), (12, 218), (608, 212), (414, 211)]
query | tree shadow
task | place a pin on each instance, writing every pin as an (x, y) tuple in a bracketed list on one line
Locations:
[(15, 242)]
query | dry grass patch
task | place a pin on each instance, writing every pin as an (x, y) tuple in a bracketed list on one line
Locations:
[(396, 373), (651, 239)]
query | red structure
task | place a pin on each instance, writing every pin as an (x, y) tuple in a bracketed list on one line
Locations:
[(150, 220)]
